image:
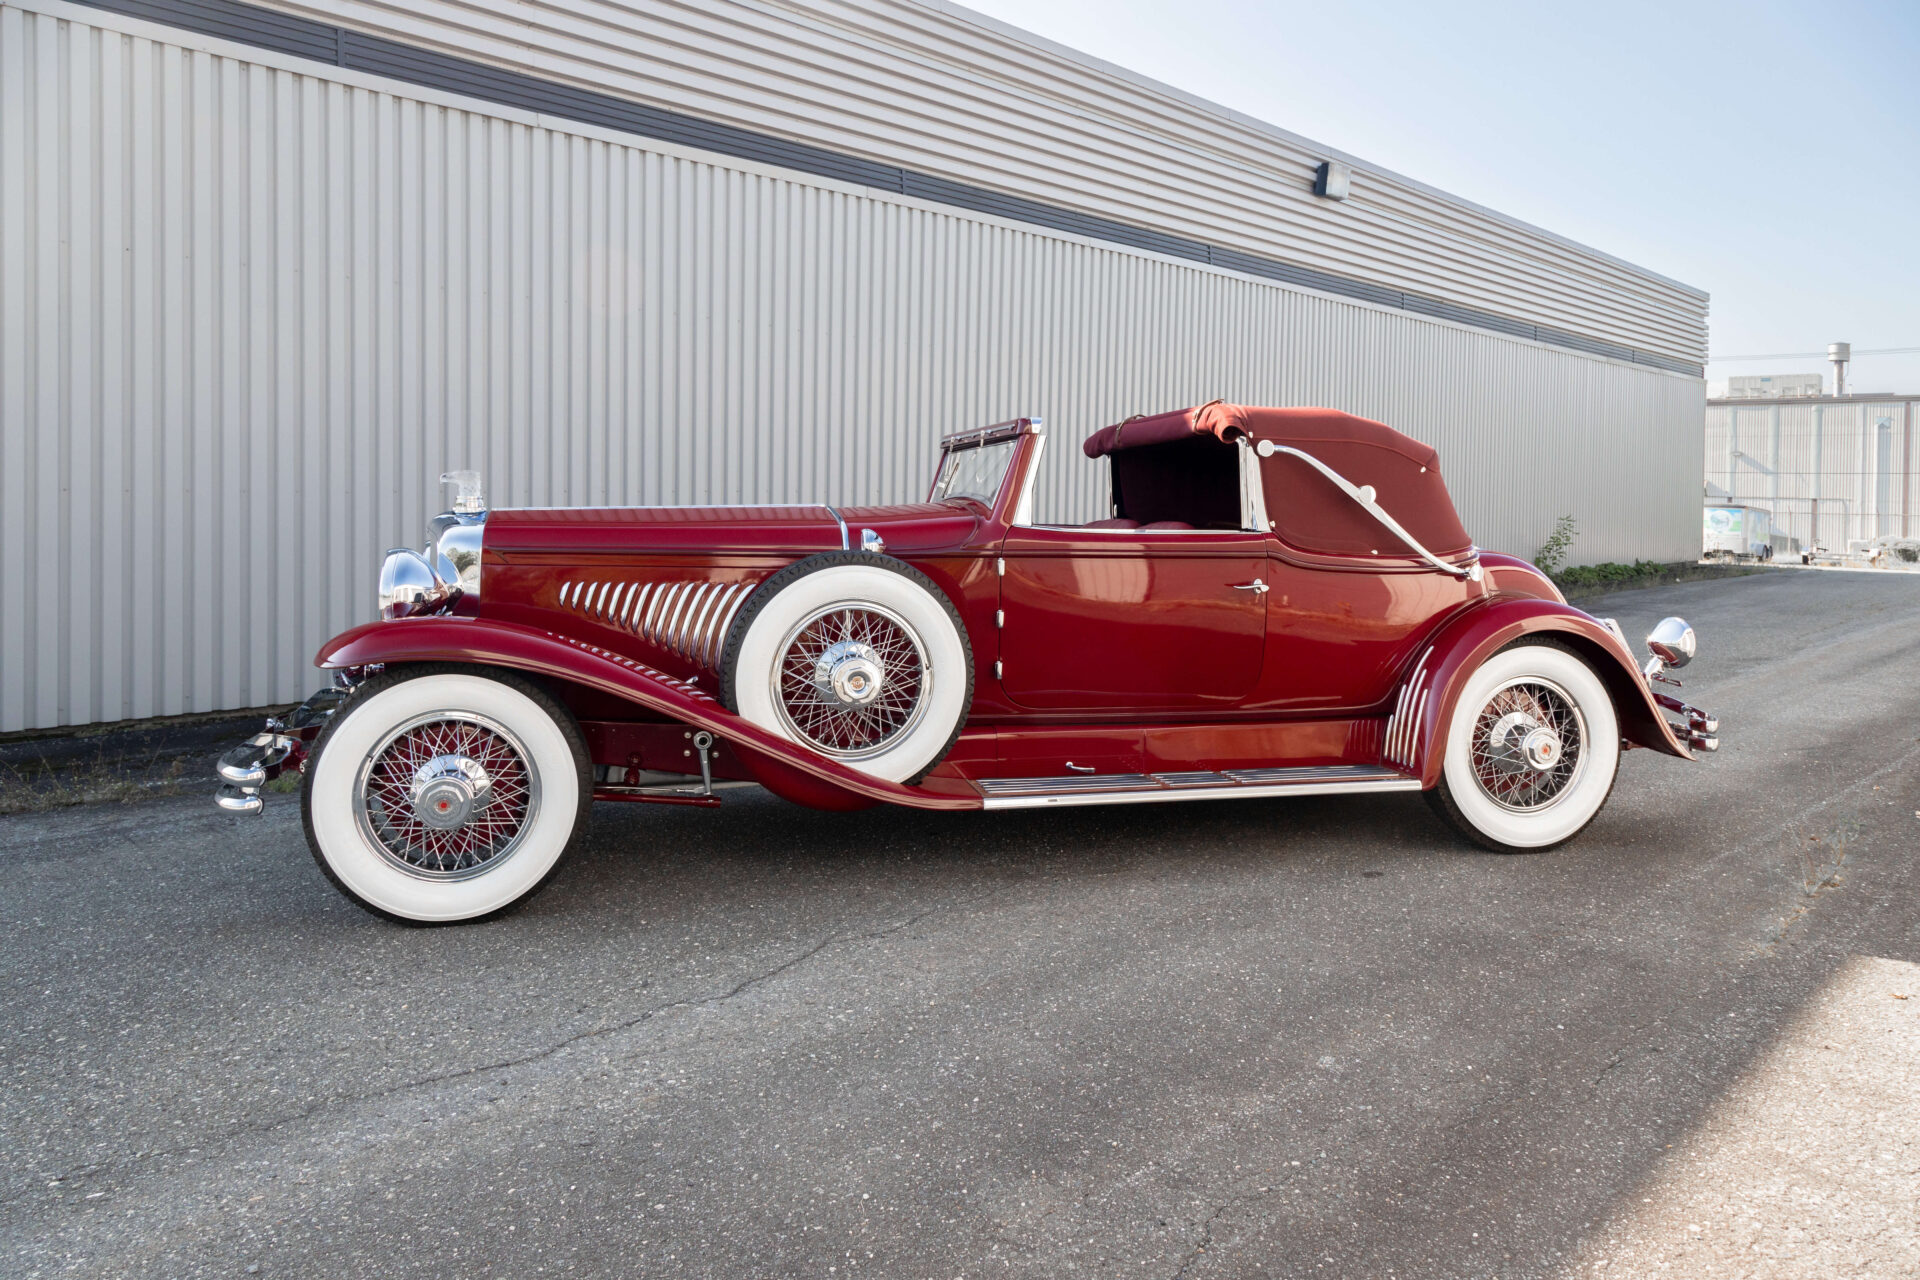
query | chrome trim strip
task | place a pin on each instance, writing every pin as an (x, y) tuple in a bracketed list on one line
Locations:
[(1311, 773), (634, 605), (682, 614), (703, 602), (664, 614), (1384, 781), (1253, 493), (725, 628), (846, 539), (1267, 448), (663, 625), (1029, 481), (1408, 711)]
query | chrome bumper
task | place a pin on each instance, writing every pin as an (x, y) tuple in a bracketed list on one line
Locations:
[(280, 748)]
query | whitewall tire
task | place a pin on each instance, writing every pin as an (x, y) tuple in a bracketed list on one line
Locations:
[(443, 794), (1532, 750), (859, 657)]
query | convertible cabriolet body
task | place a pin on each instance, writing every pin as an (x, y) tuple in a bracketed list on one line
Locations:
[(1280, 602)]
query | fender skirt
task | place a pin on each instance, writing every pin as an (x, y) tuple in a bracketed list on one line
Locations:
[(530, 649), (1416, 738)]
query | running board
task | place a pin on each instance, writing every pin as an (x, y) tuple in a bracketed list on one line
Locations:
[(1231, 784)]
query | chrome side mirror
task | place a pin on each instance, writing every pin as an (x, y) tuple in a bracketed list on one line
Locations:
[(1672, 642)]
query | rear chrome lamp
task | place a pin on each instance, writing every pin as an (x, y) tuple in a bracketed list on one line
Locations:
[(408, 585)]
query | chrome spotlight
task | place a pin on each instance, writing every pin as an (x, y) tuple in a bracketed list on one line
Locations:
[(1672, 642)]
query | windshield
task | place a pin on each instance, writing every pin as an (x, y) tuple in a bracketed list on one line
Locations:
[(974, 473)]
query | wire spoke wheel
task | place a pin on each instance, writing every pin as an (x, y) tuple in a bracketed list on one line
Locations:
[(447, 795), (1528, 745), (851, 680)]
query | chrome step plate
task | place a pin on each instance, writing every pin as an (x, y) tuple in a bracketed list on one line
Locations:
[(1147, 788)]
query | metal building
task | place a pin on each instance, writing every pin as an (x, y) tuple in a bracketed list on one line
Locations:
[(1833, 470), (267, 270)]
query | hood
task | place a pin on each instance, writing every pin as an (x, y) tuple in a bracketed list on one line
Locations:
[(783, 530)]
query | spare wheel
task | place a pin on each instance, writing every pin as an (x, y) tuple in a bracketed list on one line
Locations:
[(857, 656)]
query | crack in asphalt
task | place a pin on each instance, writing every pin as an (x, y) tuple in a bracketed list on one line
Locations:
[(559, 1046), (1206, 1238)]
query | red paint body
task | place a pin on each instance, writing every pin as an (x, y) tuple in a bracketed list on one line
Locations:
[(1122, 651)]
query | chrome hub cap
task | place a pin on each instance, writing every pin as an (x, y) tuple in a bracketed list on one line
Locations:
[(1528, 744), (1541, 748), (446, 796), (447, 790), (851, 680), (849, 671)]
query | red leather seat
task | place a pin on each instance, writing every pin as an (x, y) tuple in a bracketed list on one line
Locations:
[(1167, 524), (1118, 522)]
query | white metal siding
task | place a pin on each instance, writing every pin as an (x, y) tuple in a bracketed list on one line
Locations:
[(250, 309), (1851, 458), (935, 87)]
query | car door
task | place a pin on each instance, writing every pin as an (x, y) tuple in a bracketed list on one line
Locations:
[(1137, 620)]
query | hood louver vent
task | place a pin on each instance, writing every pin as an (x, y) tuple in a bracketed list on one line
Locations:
[(687, 618)]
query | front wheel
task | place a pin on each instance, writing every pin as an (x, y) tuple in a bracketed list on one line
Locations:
[(443, 794), (1532, 750)]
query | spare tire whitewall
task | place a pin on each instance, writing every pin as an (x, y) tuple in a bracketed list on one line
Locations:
[(857, 656), (444, 794), (1532, 749)]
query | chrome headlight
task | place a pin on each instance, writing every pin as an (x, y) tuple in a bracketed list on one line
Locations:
[(408, 585), (416, 582), (453, 550)]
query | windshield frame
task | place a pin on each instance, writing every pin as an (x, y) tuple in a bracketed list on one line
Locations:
[(1015, 487)]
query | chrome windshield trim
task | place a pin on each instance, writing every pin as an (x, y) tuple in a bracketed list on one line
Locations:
[(1268, 448), (994, 434), (846, 539), (1023, 508)]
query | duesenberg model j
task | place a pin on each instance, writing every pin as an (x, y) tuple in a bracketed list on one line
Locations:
[(1282, 602)]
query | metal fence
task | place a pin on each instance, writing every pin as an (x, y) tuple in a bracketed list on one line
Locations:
[(251, 308)]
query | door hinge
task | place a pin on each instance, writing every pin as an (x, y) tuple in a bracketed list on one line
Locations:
[(996, 668), (1000, 565), (1000, 617)]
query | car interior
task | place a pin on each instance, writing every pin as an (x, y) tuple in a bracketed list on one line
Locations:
[(1193, 483)]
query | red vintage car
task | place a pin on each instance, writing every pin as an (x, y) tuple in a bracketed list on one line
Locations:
[(1282, 602)]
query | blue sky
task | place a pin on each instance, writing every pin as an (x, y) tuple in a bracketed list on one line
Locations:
[(1768, 153)]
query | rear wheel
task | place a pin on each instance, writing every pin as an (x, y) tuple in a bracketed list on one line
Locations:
[(1532, 750), (443, 794)]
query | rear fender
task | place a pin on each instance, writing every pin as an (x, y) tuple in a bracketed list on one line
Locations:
[(793, 770), (1416, 736)]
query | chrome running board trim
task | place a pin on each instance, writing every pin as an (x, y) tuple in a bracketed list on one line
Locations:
[(1149, 788)]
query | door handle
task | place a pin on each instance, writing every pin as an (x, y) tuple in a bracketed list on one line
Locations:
[(1080, 768), (1255, 585)]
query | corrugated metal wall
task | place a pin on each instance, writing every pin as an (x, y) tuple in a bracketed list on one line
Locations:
[(250, 309), (938, 88), (1847, 464)]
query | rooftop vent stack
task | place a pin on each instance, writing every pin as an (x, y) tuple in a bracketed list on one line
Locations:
[(1838, 354)]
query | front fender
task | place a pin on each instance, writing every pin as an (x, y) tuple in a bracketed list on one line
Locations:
[(545, 653), (1416, 736)]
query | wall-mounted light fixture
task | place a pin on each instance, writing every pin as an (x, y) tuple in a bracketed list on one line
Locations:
[(1332, 180)]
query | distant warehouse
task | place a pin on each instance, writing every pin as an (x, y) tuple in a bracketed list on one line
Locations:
[(267, 270)]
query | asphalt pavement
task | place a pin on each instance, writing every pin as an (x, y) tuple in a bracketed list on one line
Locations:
[(1251, 1038)]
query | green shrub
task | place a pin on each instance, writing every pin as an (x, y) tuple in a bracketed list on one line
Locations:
[(1598, 575), (1553, 552)]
